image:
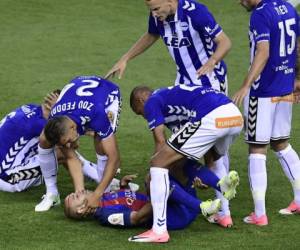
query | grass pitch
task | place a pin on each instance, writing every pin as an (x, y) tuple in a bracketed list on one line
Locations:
[(44, 44)]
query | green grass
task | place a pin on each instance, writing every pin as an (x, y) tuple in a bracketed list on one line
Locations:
[(44, 44)]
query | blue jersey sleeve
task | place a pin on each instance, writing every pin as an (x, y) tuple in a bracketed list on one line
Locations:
[(259, 27), (101, 124), (152, 28), (205, 22), (153, 113), (105, 216)]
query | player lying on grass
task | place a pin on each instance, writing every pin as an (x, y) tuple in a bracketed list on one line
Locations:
[(128, 208)]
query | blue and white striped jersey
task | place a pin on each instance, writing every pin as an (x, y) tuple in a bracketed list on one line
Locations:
[(189, 36), (85, 100), (276, 22), (175, 106), (19, 135)]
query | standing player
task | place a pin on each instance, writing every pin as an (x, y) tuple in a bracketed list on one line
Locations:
[(194, 39), (212, 122), (197, 44), (86, 103), (267, 94)]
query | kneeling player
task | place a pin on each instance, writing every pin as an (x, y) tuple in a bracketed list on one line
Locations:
[(19, 137)]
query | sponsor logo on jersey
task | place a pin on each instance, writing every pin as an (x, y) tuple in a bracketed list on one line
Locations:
[(177, 42)]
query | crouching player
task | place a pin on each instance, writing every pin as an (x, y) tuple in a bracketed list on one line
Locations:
[(19, 137), (128, 208)]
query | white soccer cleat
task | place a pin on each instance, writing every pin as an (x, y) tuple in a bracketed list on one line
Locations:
[(228, 184), (48, 201)]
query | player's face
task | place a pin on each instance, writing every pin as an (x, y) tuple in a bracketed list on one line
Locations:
[(139, 108), (71, 136), (74, 201), (160, 9), (249, 5)]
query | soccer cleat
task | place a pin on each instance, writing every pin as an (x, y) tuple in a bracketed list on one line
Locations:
[(210, 207), (150, 236), (293, 208), (259, 221), (48, 201), (228, 184), (223, 221)]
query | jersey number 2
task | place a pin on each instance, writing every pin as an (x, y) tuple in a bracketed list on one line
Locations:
[(82, 90)]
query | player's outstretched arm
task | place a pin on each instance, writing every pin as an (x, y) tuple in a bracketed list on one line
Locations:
[(223, 47), (75, 169), (139, 47)]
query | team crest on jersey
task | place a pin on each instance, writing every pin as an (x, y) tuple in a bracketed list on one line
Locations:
[(110, 116), (184, 26)]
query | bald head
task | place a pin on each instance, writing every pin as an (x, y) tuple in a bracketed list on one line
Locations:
[(139, 95)]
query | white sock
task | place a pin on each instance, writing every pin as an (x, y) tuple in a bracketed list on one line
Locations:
[(159, 190), (48, 164), (220, 170), (226, 162), (101, 163), (290, 164), (258, 182), (89, 168)]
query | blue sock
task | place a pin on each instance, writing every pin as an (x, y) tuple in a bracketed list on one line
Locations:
[(204, 173), (179, 195)]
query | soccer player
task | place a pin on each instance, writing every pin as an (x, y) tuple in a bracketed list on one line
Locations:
[(87, 103), (19, 136), (209, 121), (194, 39), (127, 208), (197, 44), (267, 95)]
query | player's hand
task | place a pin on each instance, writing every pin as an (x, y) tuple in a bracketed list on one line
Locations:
[(89, 205), (296, 97), (118, 68), (90, 133), (207, 68), (126, 179), (197, 183), (239, 96), (50, 100)]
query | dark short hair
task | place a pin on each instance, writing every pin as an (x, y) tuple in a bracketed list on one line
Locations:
[(55, 129), (136, 92)]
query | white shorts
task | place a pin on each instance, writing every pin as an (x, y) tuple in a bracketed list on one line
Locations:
[(113, 112), (267, 118), (217, 129), (20, 178)]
